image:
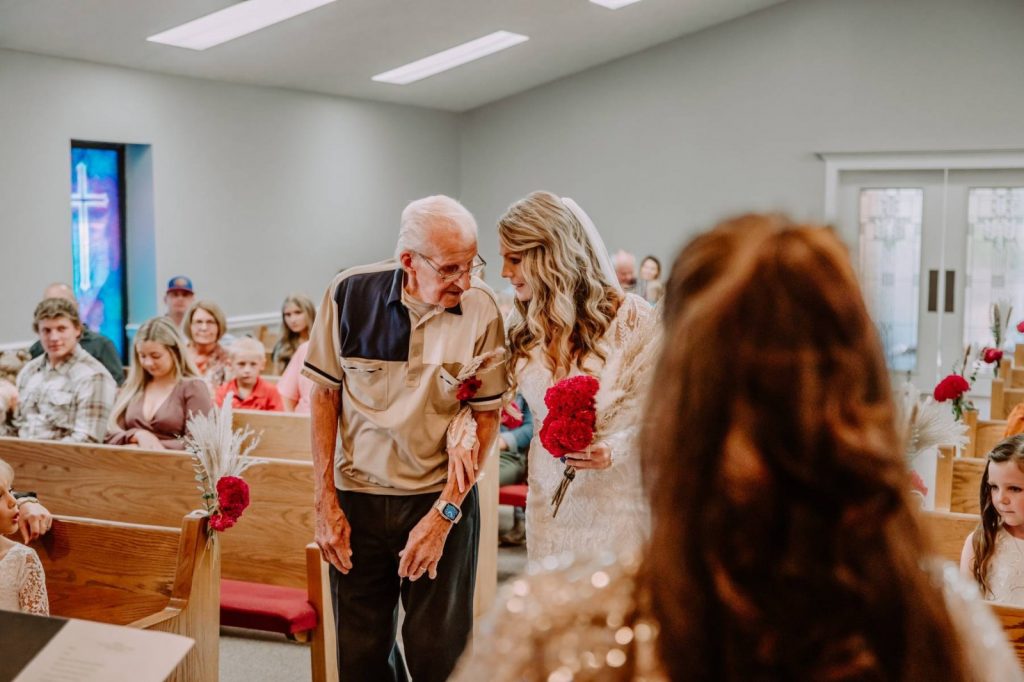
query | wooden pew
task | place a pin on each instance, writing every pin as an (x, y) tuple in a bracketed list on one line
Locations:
[(268, 545), (958, 482), (948, 531), (982, 434), (282, 435), (1012, 620), (140, 576), (1004, 399)]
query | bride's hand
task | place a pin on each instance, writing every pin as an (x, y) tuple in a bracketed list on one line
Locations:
[(597, 456)]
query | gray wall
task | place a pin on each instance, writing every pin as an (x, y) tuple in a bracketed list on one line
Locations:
[(663, 143), (257, 192)]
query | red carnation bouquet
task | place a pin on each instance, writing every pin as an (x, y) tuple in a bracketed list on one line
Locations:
[(570, 424), (221, 455)]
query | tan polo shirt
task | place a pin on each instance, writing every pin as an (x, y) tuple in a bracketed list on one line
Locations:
[(395, 361)]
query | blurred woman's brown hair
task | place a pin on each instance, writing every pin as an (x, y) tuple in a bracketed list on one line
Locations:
[(783, 545)]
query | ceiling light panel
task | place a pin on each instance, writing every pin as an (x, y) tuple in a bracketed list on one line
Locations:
[(613, 4), (233, 22), (450, 58)]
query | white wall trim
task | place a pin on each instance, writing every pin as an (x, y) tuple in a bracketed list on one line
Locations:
[(237, 323), (838, 162)]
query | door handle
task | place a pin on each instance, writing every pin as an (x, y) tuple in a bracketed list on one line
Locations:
[(950, 291), (933, 293)]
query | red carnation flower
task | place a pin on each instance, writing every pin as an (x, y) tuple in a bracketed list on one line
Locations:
[(917, 483), (232, 497), (468, 388), (951, 388), (571, 395), (221, 522), (992, 355), (1020, 326)]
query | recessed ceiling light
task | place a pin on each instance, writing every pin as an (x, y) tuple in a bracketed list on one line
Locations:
[(613, 4), (233, 22), (450, 58)]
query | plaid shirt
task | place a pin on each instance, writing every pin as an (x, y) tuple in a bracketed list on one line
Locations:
[(70, 402)]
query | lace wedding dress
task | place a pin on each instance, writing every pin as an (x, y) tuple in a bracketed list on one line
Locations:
[(22, 584), (602, 508)]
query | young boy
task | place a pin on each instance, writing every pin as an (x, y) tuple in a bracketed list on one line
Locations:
[(248, 358)]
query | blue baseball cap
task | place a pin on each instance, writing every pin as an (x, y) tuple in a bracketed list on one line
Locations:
[(180, 283)]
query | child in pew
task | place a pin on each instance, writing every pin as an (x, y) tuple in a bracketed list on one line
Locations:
[(251, 392), (993, 554), (162, 389), (22, 583)]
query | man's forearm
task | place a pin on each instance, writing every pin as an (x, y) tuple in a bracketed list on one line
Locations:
[(487, 424), (324, 409)]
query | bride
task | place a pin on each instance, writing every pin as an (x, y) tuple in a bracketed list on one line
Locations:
[(571, 317)]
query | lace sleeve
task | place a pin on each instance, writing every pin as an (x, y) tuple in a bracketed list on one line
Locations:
[(985, 645), (32, 594)]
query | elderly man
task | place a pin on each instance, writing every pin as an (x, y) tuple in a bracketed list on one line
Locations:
[(625, 271), (396, 515), (64, 394), (94, 343)]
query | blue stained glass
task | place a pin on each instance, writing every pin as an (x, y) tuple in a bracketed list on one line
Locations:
[(96, 240)]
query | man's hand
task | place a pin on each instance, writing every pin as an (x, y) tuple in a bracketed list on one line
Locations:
[(463, 465), (146, 439), (334, 535), (33, 520), (424, 548), (597, 456)]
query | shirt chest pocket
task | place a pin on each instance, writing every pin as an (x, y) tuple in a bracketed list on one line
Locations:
[(367, 382), (57, 406)]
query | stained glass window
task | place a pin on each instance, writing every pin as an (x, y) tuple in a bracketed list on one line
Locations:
[(97, 238), (995, 258), (890, 264)]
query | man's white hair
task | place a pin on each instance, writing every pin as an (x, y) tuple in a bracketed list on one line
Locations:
[(623, 257), (424, 215)]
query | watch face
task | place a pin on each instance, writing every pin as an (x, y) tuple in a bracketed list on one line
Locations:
[(450, 511)]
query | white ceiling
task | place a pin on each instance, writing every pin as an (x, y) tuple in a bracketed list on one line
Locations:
[(337, 48)]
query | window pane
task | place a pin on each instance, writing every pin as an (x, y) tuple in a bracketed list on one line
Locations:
[(890, 264), (995, 258), (96, 240)]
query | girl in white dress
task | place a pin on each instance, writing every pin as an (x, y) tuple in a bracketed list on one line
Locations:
[(22, 583), (994, 553), (572, 318)]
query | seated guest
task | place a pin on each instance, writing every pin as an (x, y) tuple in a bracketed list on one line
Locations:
[(250, 391), (22, 582), (650, 280), (204, 325), (64, 394), (94, 343), (297, 315), (294, 387), (178, 298), (625, 271), (994, 553), (514, 441), (162, 391), (784, 545)]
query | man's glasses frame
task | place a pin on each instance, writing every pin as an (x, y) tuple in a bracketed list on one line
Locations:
[(475, 268)]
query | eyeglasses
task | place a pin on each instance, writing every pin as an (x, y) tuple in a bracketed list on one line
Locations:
[(450, 273)]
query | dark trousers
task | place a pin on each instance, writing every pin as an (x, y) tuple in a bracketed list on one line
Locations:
[(438, 613)]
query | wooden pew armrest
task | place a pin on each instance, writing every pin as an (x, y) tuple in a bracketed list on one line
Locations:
[(169, 613)]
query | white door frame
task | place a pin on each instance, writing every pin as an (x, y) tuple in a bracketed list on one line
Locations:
[(838, 162)]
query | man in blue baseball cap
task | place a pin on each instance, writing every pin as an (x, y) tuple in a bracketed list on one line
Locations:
[(178, 298)]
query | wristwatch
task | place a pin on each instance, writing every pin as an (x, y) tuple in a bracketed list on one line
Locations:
[(449, 510)]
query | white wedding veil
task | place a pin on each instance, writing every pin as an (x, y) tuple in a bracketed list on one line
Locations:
[(596, 243)]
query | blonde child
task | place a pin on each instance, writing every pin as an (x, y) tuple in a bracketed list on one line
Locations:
[(22, 583), (993, 554), (251, 392)]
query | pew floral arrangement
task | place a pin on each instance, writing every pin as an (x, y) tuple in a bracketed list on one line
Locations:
[(954, 387), (924, 424), (221, 456), (999, 323)]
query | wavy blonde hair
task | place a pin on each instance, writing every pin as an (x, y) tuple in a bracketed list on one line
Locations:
[(573, 304), (163, 331)]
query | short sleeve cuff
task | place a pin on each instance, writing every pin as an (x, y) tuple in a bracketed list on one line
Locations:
[(485, 404), (320, 377)]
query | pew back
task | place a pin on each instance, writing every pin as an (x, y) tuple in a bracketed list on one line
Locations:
[(282, 435), (268, 545), (948, 531), (982, 434)]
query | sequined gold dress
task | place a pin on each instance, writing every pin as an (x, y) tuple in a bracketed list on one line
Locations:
[(580, 621), (602, 508)]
